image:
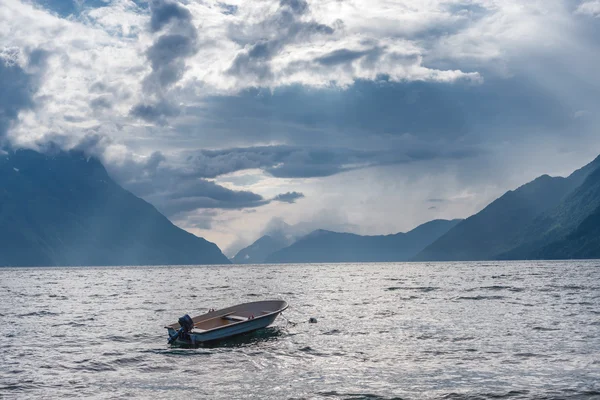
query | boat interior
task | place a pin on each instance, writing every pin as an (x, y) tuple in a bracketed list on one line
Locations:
[(224, 320)]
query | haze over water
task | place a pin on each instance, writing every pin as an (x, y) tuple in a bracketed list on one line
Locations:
[(527, 330)]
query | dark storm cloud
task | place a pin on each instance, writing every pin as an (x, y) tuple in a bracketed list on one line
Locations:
[(17, 88), (289, 197), (255, 61), (343, 56), (164, 12), (167, 56), (170, 47), (459, 113), (374, 108), (283, 28), (195, 194), (306, 162), (154, 112)]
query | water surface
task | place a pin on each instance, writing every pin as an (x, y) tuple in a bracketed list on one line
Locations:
[(528, 330)]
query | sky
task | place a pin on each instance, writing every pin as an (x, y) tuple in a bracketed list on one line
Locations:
[(240, 118)]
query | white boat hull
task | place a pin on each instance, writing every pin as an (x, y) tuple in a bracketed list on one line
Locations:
[(236, 320)]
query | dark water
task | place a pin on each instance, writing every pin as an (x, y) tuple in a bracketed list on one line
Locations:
[(527, 330)]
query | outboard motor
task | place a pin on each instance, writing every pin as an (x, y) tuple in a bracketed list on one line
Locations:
[(186, 325)]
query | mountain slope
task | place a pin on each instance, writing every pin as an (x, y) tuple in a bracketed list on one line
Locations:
[(326, 246), (582, 243), (258, 251), (494, 230), (520, 222), (567, 224), (64, 209)]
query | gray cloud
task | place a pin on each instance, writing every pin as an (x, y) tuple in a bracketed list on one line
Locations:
[(228, 9), (343, 56), (101, 102), (167, 56), (38, 58), (589, 7), (297, 6), (189, 195), (380, 114), (154, 112), (289, 197), (164, 12), (99, 87), (283, 28), (173, 192), (307, 162)]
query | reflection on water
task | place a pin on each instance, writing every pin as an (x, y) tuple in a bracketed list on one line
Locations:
[(524, 330), (250, 338)]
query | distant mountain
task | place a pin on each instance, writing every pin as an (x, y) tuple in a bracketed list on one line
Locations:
[(64, 209), (519, 223), (327, 246), (258, 251)]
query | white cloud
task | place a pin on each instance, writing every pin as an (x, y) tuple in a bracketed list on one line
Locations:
[(589, 8), (329, 42)]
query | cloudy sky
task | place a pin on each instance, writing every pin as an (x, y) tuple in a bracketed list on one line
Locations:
[(372, 116)]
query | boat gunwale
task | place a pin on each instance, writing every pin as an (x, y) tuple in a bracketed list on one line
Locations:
[(175, 326), (235, 323)]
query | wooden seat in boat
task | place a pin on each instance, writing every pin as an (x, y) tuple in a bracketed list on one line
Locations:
[(234, 318)]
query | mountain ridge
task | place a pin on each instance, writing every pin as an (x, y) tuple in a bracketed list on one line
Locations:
[(258, 251), (518, 223), (328, 246)]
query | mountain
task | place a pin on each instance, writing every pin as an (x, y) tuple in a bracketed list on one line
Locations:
[(567, 230), (327, 246), (492, 231), (520, 222), (64, 209), (582, 243), (258, 251)]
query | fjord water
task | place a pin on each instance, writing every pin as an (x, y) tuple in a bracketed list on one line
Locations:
[(439, 330)]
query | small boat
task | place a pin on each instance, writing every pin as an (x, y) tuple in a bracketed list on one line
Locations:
[(224, 323)]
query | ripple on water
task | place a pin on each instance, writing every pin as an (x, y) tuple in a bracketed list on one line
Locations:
[(480, 297), (39, 314)]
